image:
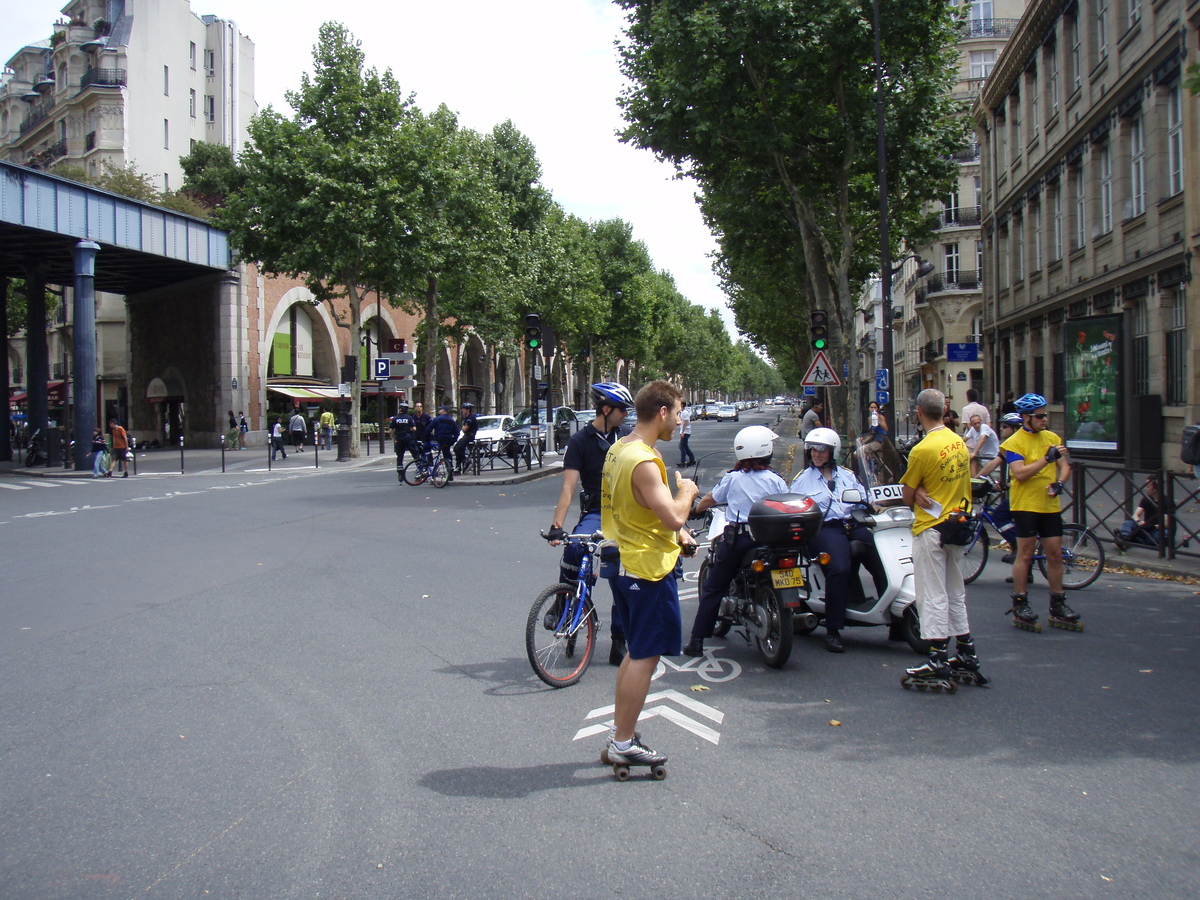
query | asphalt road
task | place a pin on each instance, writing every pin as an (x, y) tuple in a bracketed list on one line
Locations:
[(315, 685)]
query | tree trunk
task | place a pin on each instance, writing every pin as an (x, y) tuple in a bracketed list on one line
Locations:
[(433, 343)]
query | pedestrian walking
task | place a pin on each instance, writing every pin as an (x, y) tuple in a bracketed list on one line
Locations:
[(686, 457), (99, 448), (299, 431), (277, 439), (120, 448), (243, 428), (327, 429), (936, 484), (231, 436), (648, 523)]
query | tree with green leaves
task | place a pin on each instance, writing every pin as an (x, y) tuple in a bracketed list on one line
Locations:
[(210, 174), (325, 195), (754, 96)]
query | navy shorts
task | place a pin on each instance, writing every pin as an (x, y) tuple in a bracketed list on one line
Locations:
[(1037, 524), (649, 611)]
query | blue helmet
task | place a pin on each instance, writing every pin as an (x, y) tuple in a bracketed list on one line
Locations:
[(1028, 403), (612, 393)]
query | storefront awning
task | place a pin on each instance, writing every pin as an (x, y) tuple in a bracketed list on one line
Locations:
[(54, 394), (304, 393)]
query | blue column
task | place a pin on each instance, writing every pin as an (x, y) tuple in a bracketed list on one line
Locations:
[(83, 351), (37, 355)]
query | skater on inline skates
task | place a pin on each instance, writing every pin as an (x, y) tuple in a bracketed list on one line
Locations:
[(649, 525), (1038, 466), (748, 481), (825, 481), (936, 483)]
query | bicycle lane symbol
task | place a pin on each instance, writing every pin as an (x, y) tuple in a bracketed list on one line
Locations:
[(709, 667)]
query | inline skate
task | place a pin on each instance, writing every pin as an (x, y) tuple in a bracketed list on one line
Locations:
[(1023, 614), (1062, 616), (964, 665), (934, 674)]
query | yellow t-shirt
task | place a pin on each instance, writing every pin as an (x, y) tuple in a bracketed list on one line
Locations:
[(1030, 495), (648, 548), (942, 463)]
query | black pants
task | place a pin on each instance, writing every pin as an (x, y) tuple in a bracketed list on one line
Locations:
[(460, 452), (405, 445), (730, 551), (835, 539)]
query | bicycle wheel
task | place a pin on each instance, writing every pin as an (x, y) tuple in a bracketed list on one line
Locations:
[(1083, 557), (558, 654), (439, 474), (415, 473), (975, 556)]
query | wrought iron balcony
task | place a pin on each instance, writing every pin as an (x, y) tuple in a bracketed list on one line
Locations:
[(959, 280), (103, 78), (38, 113), (961, 217), (971, 154), (986, 28)]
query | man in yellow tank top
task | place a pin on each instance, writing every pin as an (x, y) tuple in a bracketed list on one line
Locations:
[(638, 511)]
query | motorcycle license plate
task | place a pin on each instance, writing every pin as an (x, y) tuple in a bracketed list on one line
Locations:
[(787, 578)]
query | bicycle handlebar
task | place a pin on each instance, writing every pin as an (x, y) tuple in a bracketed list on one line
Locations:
[(597, 537)]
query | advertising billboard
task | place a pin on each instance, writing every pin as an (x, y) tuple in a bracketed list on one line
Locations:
[(1092, 363)]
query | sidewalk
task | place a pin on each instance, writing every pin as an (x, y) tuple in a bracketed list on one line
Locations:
[(255, 460)]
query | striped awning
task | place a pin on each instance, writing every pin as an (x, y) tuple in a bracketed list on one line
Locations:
[(308, 392)]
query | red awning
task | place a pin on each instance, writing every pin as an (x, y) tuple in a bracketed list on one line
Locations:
[(55, 392)]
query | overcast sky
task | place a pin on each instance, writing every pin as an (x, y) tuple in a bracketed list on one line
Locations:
[(549, 65)]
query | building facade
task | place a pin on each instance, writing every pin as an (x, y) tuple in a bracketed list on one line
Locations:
[(1090, 173), (937, 319)]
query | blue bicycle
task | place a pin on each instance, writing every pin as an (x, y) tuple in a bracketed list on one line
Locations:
[(560, 633), (1082, 553)]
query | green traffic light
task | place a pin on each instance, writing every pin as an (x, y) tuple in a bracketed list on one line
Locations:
[(534, 343), (820, 343)]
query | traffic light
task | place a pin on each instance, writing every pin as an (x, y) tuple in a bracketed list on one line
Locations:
[(533, 331), (818, 329)]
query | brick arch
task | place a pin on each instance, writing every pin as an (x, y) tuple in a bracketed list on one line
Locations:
[(326, 356)]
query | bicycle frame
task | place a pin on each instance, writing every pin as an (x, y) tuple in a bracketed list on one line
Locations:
[(573, 613)]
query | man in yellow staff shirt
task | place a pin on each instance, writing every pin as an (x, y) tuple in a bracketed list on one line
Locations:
[(937, 481), (648, 524), (1037, 462)]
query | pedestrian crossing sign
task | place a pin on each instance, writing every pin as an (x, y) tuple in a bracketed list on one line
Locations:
[(820, 373)]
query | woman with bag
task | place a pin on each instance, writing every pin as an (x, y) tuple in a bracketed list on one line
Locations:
[(99, 448)]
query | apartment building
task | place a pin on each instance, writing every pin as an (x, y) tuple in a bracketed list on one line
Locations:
[(121, 81), (937, 319), (1088, 156)]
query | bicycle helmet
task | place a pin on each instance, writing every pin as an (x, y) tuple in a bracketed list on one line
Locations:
[(467, 404), (823, 439), (754, 442), (402, 406), (611, 393), (1012, 420), (1028, 403)]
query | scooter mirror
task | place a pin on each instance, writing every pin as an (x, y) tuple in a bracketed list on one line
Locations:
[(852, 495)]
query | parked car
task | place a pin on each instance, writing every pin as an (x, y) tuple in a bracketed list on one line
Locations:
[(728, 411), (563, 418), (493, 428)]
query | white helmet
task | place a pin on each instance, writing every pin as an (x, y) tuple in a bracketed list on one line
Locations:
[(754, 442), (824, 438)]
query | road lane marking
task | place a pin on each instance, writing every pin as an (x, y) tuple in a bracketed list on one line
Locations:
[(667, 712)]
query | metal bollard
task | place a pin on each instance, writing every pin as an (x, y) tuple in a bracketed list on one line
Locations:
[(316, 445), (181, 454), (132, 451), (222, 454)]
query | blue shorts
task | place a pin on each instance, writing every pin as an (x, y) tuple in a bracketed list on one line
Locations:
[(649, 610)]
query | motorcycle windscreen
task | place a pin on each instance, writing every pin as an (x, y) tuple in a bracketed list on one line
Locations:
[(879, 466)]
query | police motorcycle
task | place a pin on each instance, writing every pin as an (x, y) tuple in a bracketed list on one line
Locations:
[(764, 599), (882, 589)]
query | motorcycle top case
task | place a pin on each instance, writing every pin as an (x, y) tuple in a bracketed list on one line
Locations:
[(784, 519)]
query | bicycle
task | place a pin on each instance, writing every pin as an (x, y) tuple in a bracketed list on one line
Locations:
[(1082, 552), (561, 630), (429, 466)]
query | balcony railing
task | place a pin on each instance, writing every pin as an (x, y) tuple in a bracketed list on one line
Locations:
[(971, 154), (967, 89), (984, 28), (953, 281), (38, 113), (962, 217), (103, 78)]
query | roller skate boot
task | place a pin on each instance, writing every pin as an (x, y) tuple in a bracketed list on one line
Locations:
[(1023, 615), (964, 665), (637, 754), (934, 674), (1062, 616)]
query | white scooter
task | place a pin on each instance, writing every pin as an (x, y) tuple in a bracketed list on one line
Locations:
[(882, 591)]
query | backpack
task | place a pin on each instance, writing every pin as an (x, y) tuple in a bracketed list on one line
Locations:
[(1190, 451)]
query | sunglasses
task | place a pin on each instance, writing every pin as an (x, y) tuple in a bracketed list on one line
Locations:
[(1041, 415)]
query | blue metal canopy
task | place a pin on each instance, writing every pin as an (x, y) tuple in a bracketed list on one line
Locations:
[(142, 246)]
